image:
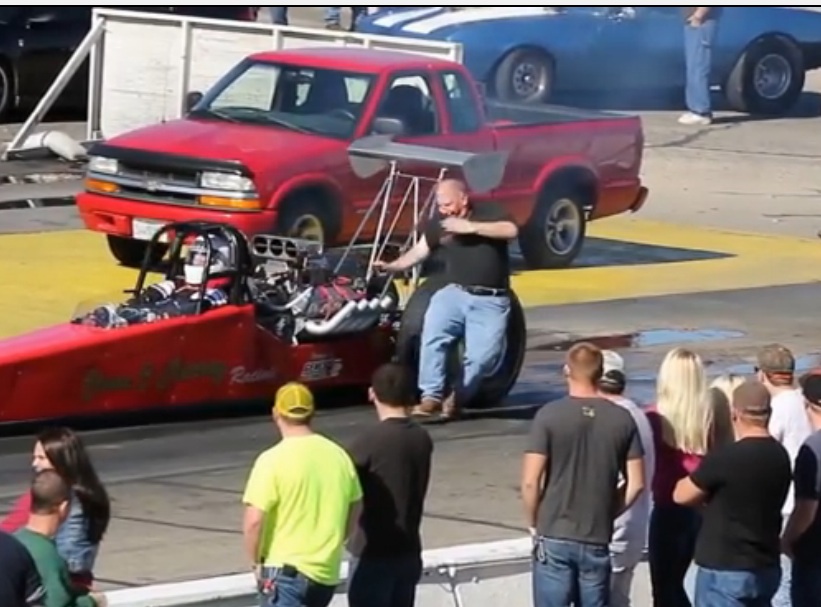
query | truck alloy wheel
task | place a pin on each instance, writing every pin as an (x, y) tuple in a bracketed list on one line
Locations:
[(555, 233), (5, 90), (308, 227)]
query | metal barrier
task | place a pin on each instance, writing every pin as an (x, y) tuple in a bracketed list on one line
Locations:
[(142, 65), (497, 573)]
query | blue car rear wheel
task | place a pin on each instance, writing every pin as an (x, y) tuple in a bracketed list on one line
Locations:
[(524, 76)]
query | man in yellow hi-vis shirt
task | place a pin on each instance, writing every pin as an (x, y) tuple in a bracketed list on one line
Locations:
[(302, 501)]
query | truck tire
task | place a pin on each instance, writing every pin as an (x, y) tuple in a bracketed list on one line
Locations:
[(498, 385), (524, 76), (130, 253), (6, 89), (767, 79), (554, 235), (309, 218)]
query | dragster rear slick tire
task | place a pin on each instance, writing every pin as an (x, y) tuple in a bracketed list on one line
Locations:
[(494, 389)]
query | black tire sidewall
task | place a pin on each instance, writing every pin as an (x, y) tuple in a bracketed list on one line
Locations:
[(740, 91), (294, 209), (493, 389), (503, 80), (7, 92), (532, 241), (131, 253)]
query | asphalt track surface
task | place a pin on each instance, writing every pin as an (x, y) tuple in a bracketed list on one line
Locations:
[(723, 258)]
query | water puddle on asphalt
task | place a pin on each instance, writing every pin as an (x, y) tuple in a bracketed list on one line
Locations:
[(647, 339)]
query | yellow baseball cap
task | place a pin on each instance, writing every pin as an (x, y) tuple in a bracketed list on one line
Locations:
[(294, 401)]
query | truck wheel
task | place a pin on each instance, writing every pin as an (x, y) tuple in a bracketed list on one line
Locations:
[(495, 387), (6, 89), (130, 252), (554, 235), (310, 219), (767, 79), (525, 76)]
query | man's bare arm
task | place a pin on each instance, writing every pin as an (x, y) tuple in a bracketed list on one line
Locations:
[(802, 516), (534, 471), (416, 255), (499, 230), (252, 522), (354, 515), (635, 482), (687, 493)]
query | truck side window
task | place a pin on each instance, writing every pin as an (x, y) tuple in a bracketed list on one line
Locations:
[(409, 99), (464, 117)]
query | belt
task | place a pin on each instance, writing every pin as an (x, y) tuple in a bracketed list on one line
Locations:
[(484, 291), (286, 571)]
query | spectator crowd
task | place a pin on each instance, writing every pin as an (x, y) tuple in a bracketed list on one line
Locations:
[(718, 486)]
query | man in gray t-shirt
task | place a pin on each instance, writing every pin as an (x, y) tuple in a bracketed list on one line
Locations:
[(802, 537)]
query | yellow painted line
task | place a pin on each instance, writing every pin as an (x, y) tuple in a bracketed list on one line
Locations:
[(756, 260), (46, 276)]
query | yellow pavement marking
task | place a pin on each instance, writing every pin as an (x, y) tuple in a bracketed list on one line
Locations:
[(45, 276), (754, 260)]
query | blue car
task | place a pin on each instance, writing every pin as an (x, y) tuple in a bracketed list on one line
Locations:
[(530, 54)]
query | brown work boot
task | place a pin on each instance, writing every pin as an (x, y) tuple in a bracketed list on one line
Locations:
[(427, 408), (450, 410)]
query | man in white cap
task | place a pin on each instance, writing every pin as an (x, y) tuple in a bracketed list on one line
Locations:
[(630, 529)]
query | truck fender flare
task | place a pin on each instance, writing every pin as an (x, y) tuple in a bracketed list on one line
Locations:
[(573, 170)]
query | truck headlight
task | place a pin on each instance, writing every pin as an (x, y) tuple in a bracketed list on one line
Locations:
[(100, 164), (225, 181)]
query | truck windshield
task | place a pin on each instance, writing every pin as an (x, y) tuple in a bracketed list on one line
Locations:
[(311, 100)]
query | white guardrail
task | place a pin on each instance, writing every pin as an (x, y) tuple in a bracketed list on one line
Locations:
[(497, 573)]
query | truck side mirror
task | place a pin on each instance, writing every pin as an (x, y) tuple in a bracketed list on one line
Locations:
[(192, 99), (388, 126)]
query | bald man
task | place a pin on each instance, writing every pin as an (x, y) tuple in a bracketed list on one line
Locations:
[(473, 306)]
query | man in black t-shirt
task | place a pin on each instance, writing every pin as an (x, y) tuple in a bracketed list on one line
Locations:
[(20, 584), (393, 459), (802, 537), (578, 450), (475, 303), (742, 486)]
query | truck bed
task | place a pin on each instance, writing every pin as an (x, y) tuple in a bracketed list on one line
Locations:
[(502, 114)]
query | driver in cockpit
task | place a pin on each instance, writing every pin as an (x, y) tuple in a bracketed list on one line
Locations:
[(171, 298)]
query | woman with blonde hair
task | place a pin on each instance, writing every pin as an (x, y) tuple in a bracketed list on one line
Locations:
[(721, 399), (682, 422)]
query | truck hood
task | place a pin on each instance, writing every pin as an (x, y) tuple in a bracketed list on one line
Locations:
[(255, 146), (439, 23)]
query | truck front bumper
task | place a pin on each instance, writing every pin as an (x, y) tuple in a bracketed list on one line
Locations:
[(115, 216)]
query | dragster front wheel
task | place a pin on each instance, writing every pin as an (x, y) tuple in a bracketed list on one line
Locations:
[(495, 387)]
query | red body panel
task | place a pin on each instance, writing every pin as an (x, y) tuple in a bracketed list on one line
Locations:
[(284, 161), (223, 356)]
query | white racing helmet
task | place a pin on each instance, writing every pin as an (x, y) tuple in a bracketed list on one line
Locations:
[(198, 254)]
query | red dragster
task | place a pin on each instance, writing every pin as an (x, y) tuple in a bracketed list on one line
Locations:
[(265, 151), (234, 318)]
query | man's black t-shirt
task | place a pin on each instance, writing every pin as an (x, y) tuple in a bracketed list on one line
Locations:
[(746, 483), (587, 442), (393, 460), (471, 260), (808, 487), (20, 584)]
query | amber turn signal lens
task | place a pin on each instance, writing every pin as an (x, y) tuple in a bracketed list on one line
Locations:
[(97, 185), (245, 204)]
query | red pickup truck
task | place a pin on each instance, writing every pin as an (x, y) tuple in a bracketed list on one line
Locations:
[(265, 151)]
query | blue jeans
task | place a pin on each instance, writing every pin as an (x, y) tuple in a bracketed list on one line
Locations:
[(571, 573), (279, 15), (736, 588), (671, 543), (388, 582), (454, 313), (297, 591), (333, 14), (805, 589), (698, 55)]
